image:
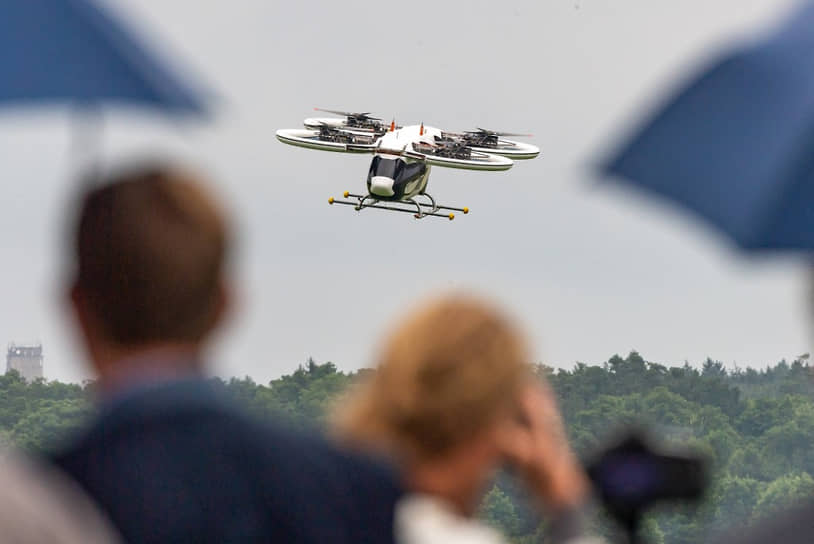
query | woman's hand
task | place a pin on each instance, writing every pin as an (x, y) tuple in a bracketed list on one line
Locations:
[(537, 445)]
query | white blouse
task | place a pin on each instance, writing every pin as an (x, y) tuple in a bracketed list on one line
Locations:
[(424, 519)]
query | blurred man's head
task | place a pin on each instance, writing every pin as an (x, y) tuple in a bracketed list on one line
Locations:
[(150, 250)]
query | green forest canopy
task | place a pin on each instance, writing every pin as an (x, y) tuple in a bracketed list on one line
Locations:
[(757, 427)]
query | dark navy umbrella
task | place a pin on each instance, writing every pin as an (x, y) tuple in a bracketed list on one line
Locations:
[(736, 145), (74, 52)]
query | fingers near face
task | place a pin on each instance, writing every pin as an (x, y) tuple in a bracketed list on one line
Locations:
[(515, 442)]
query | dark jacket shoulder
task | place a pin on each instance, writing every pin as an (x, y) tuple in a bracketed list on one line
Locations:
[(178, 463)]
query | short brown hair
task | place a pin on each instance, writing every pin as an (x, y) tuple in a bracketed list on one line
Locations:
[(446, 372), (150, 248)]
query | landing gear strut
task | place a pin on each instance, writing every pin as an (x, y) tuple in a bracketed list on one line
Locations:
[(414, 206)]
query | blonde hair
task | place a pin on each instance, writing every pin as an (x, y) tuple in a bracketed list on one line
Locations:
[(445, 374)]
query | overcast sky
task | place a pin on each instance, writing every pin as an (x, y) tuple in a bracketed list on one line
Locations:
[(592, 270)]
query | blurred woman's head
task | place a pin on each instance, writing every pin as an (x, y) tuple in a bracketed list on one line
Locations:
[(447, 381)]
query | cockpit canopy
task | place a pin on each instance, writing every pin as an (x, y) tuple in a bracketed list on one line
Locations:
[(396, 169), (395, 178)]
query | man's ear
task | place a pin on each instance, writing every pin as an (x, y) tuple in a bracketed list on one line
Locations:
[(78, 304), (225, 302), (74, 298), (223, 306), (73, 290), (90, 325)]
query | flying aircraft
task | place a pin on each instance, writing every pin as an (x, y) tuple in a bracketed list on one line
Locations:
[(402, 157)]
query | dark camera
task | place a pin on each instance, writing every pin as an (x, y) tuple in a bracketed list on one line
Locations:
[(632, 475)]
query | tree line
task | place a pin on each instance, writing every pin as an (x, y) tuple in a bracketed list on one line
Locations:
[(755, 426)]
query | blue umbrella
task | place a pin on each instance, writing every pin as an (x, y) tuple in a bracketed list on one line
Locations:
[(72, 51), (736, 145)]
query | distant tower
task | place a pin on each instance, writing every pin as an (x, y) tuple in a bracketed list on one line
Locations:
[(27, 360)]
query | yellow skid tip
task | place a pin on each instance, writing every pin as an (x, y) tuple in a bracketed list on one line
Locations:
[(331, 200), (451, 216), (346, 194), (466, 210)]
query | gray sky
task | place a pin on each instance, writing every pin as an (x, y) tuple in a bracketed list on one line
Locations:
[(592, 270)]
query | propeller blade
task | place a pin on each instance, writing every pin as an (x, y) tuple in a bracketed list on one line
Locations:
[(365, 115), (498, 133), (335, 112)]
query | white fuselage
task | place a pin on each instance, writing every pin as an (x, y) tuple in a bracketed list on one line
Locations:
[(403, 138), (403, 155)]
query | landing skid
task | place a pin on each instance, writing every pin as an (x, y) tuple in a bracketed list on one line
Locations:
[(414, 206)]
